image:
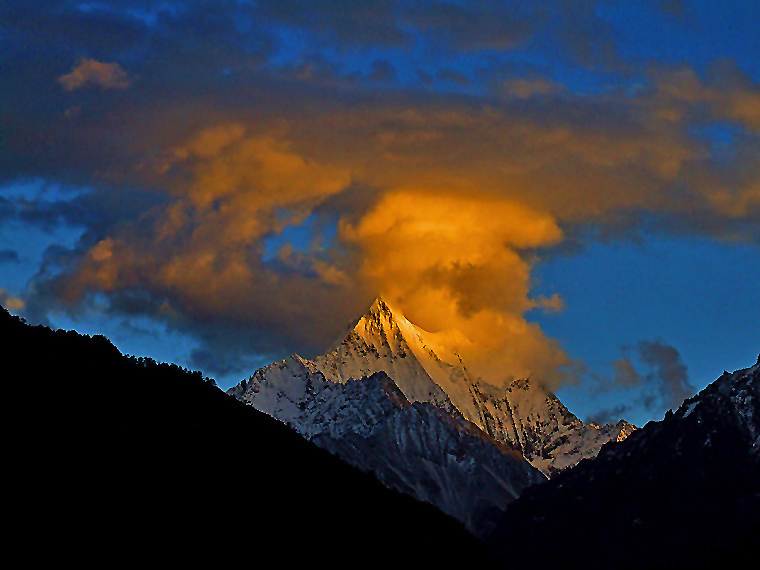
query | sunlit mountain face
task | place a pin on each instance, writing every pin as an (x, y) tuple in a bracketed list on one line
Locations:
[(544, 190), (429, 368), (402, 403)]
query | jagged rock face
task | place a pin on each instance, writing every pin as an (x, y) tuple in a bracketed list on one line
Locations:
[(550, 436), (526, 415), (417, 448), (680, 493), (398, 401), (423, 451)]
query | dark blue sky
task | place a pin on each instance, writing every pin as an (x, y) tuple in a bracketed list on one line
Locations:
[(220, 184)]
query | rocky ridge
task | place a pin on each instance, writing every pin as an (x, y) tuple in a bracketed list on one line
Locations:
[(397, 401), (683, 492), (424, 367)]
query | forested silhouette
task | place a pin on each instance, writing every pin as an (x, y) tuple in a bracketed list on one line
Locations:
[(115, 458), (683, 492)]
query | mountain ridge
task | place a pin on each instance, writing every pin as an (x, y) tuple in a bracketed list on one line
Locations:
[(427, 368), (682, 492), (111, 455), (414, 447), (399, 402)]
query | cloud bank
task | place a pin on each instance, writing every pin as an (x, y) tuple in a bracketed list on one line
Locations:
[(438, 190)]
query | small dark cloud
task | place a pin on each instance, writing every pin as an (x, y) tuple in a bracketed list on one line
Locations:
[(8, 209), (359, 22), (95, 210), (225, 363), (110, 28), (610, 415), (212, 363), (589, 40), (9, 256), (382, 71), (660, 382), (625, 373), (453, 77), (485, 25), (674, 8), (667, 372)]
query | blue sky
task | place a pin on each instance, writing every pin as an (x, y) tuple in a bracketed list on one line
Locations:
[(220, 184)]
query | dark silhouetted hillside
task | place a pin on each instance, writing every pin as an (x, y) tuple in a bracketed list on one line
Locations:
[(114, 459), (680, 493)]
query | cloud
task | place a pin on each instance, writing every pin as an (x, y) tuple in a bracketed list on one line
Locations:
[(667, 372), (445, 230), (252, 119), (9, 256), (487, 25), (625, 374), (451, 261), (453, 77), (525, 88), (674, 8), (10, 302), (363, 22), (195, 262), (660, 383), (89, 73), (610, 415)]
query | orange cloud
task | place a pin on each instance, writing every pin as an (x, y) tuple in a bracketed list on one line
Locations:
[(89, 72), (10, 302), (442, 208), (451, 262), (521, 88), (201, 252)]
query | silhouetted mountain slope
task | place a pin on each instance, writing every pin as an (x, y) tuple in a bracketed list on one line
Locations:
[(680, 493), (116, 459)]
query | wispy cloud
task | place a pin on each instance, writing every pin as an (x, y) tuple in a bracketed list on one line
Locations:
[(92, 73), (9, 256), (10, 302), (660, 383)]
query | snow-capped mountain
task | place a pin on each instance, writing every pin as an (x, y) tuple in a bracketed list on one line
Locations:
[(414, 447), (683, 492), (425, 369), (394, 400)]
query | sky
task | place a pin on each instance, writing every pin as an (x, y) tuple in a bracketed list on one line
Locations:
[(572, 188)]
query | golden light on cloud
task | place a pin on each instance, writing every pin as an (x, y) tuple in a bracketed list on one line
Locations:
[(10, 302), (452, 263), (201, 252), (89, 72), (440, 209)]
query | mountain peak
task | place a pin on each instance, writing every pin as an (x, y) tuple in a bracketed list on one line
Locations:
[(379, 304), (380, 309), (427, 367), (378, 327)]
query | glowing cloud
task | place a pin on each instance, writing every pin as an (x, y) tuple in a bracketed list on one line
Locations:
[(10, 302), (89, 72), (200, 254), (452, 263)]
